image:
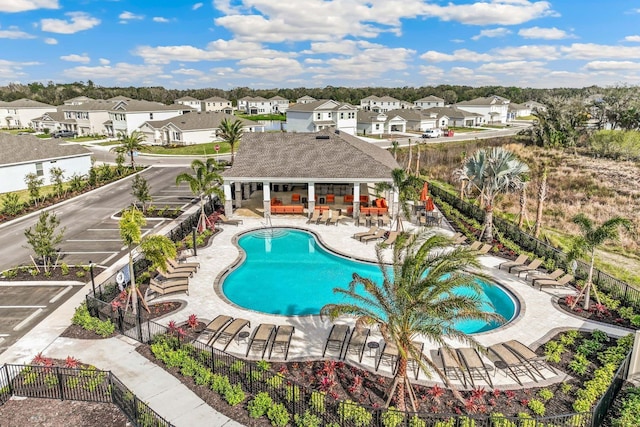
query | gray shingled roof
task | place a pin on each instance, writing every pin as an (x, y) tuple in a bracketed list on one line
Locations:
[(188, 98), (302, 155), (489, 100), (216, 99), (430, 98), (56, 116), (93, 105), (454, 113), (27, 103), (200, 120), (136, 105), (28, 148), (312, 106)]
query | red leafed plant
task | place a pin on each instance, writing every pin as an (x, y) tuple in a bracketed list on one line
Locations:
[(173, 327), (570, 300), (478, 393), (496, 392), (192, 321), (524, 402), (436, 392), (510, 394), (71, 362), (39, 359), (326, 383)]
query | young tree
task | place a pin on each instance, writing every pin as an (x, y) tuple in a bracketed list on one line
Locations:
[(203, 182), (157, 249), (416, 298), (492, 172), (231, 133), (34, 184), (130, 226), (129, 144), (76, 182), (11, 204), (57, 178), (586, 244), (141, 191), (44, 236)]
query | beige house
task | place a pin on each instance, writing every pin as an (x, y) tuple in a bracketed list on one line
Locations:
[(216, 103), (20, 113)]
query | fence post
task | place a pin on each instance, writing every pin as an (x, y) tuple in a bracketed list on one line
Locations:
[(9, 382), (139, 324), (60, 386), (120, 321)]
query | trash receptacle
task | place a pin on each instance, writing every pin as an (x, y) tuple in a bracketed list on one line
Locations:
[(450, 132)]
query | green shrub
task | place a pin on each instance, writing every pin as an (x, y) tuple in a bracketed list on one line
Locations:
[(626, 312), (306, 420), (451, 422), (417, 422), (316, 401), (630, 412), (275, 381), (351, 411), (567, 339), (498, 420), (234, 395), (589, 347), (292, 393), (64, 269), (609, 302), (237, 366), (635, 320), (466, 422), (525, 420), (263, 365), (566, 388), (392, 417), (220, 383), (82, 318), (537, 407), (259, 405), (545, 394), (278, 415), (553, 351), (599, 336), (579, 364)]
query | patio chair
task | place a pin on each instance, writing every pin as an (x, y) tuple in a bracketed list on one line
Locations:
[(533, 265), (164, 287), (473, 365), (183, 265), (475, 245), (378, 235), (315, 216), (230, 331), (324, 217), (562, 281), (384, 221), (282, 340), (362, 220), (261, 338), (391, 239), (337, 339), (371, 231), (357, 342), (224, 220), (331, 198), (215, 326), (459, 240), (527, 354), (539, 275), (335, 216), (175, 274), (505, 359), (485, 249), (411, 361), (389, 354), (518, 261), (451, 366)]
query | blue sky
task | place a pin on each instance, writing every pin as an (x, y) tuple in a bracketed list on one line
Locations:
[(314, 43)]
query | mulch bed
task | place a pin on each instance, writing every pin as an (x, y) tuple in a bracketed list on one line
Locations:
[(610, 317), (30, 273)]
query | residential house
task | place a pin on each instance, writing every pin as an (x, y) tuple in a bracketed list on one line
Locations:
[(216, 103), (417, 120), (383, 104), (517, 110), (325, 113), (494, 109), (77, 100), (454, 117), (20, 113), (429, 102), (371, 123), (87, 118), (190, 101), (279, 105), (192, 128), (305, 100), (260, 105), (48, 121), (535, 106), (126, 116), (26, 154)]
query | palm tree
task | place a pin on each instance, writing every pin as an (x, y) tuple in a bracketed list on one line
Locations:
[(129, 144), (408, 187), (204, 182), (491, 172), (416, 298), (586, 244), (130, 226), (231, 133)]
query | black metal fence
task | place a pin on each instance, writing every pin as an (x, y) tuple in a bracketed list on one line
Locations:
[(605, 402), (83, 384), (618, 289)]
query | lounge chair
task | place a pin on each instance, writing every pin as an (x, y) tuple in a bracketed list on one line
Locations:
[(261, 338), (451, 366), (174, 274), (183, 265), (378, 235), (518, 261), (362, 220), (459, 240), (216, 325), (230, 331), (384, 220), (539, 275), (411, 361), (473, 365), (335, 216), (337, 339), (505, 359), (357, 342), (562, 281), (485, 249), (224, 220), (315, 216), (527, 354), (324, 217), (168, 286), (371, 231), (282, 340), (475, 245), (389, 354), (533, 265), (391, 239)]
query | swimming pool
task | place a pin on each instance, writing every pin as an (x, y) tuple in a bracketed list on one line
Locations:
[(287, 272)]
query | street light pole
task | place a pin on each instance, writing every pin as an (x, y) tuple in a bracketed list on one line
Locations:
[(93, 282), (193, 234)]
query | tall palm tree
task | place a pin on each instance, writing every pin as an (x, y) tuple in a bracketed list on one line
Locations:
[(129, 144), (491, 172), (588, 241), (204, 181), (408, 187), (231, 133), (416, 298), (130, 226)]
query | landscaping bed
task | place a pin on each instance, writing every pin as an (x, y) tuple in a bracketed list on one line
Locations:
[(61, 273), (19, 412)]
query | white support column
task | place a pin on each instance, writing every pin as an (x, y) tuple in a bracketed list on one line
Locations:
[(356, 200), (266, 198), (228, 202), (238, 195), (634, 365), (312, 197), (395, 203)]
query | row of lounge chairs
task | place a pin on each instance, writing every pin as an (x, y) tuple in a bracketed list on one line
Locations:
[(371, 220), (539, 278), (223, 329), (174, 279), (328, 217), (374, 233)]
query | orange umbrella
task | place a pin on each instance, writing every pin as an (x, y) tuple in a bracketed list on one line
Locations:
[(429, 206), (424, 194)]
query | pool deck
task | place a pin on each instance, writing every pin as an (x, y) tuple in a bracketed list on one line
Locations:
[(538, 319)]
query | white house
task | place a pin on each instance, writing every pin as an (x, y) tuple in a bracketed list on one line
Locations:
[(429, 102), (372, 123), (192, 128), (260, 105), (279, 105), (535, 106), (77, 100), (305, 99), (26, 154), (216, 103), (517, 110), (190, 101), (454, 117), (126, 116), (325, 113), (493, 109), (20, 113), (383, 104), (87, 118), (51, 121), (417, 120)]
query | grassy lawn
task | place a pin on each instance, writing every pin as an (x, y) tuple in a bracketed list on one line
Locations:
[(263, 117), (45, 190), (465, 130), (191, 150), (108, 143), (85, 138)]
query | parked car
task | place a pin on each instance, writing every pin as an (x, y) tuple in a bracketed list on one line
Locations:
[(432, 133), (64, 134)]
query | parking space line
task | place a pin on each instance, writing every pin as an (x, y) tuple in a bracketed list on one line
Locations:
[(93, 240), (103, 229), (22, 306), (60, 294), (28, 319), (109, 258)]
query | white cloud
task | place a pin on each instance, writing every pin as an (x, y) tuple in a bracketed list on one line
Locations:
[(79, 21), (372, 61), (50, 40), (269, 68), (544, 33), (15, 33), (188, 72), (593, 51), (496, 12), (343, 47), (160, 19), (612, 66), (465, 55), (495, 32), (513, 67), (104, 61), (632, 39), (127, 16), (509, 53), (197, 6), (25, 5), (121, 72), (13, 69), (76, 58)]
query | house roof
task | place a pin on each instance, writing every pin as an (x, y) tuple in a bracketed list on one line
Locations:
[(216, 99), (199, 120), (188, 98), (381, 98), (253, 99), (515, 107), (27, 103), (325, 155), (28, 148), (92, 105), (322, 104), (277, 98), (409, 114), (451, 112), (430, 98), (488, 100), (79, 98), (56, 116), (142, 106), (306, 98)]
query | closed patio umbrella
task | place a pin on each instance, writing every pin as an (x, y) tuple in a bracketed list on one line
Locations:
[(429, 206), (424, 194)]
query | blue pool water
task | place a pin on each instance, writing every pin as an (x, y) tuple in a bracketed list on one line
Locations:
[(288, 272)]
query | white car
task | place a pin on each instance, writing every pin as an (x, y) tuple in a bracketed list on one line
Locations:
[(432, 133)]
